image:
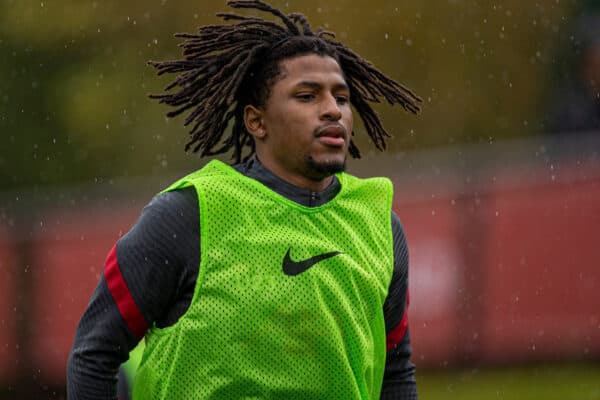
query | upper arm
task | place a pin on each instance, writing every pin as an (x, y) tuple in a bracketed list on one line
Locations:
[(399, 377), (395, 303), (159, 257)]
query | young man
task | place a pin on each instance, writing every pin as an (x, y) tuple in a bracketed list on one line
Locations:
[(279, 277)]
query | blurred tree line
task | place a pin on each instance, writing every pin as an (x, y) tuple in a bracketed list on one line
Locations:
[(74, 79)]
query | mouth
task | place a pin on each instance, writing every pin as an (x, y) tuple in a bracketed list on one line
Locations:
[(332, 135)]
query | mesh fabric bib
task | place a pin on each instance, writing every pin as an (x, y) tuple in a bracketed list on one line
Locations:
[(289, 299)]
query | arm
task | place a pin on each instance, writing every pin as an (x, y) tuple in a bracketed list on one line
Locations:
[(146, 281), (399, 378)]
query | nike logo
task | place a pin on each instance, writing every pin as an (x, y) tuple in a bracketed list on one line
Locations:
[(292, 268)]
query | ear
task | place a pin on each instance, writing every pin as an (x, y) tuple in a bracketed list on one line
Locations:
[(253, 120)]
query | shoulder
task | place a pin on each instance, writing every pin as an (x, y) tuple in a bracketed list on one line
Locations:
[(174, 201), (171, 212), (400, 243), (374, 189), (167, 230), (397, 223), (175, 205), (353, 179)]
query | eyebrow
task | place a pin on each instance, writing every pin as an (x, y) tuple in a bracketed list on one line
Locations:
[(317, 85)]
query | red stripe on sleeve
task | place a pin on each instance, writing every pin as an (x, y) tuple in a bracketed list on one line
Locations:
[(122, 296), (396, 335)]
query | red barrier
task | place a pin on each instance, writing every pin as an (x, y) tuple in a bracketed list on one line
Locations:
[(435, 266), (518, 281), (543, 273)]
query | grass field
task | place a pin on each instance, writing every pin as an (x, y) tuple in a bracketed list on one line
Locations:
[(533, 382), (547, 382)]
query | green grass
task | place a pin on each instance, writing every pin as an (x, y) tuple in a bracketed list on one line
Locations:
[(547, 382)]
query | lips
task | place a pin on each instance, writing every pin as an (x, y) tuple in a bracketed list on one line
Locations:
[(332, 135)]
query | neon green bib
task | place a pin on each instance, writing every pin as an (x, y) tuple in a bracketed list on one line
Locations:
[(289, 300)]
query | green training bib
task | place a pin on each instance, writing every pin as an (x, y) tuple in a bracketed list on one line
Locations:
[(289, 299)]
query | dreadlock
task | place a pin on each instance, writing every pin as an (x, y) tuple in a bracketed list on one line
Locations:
[(227, 67)]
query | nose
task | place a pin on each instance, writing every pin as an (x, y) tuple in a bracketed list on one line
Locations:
[(330, 109)]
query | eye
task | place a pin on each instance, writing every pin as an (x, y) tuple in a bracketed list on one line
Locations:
[(305, 96), (342, 99)]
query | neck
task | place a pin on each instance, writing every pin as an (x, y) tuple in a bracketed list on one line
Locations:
[(316, 184)]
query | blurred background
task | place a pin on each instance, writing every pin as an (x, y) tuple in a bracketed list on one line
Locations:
[(497, 180)]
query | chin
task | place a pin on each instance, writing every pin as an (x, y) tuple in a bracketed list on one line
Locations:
[(324, 168)]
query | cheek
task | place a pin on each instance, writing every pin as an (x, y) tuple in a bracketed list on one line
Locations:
[(348, 119), (288, 135), (297, 130)]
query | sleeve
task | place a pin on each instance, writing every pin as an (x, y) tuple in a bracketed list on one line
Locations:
[(399, 377), (148, 280)]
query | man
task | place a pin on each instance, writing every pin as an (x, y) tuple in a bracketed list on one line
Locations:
[(279, 277)]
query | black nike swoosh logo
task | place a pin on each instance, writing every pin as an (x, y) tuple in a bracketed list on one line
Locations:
[(292, 268)]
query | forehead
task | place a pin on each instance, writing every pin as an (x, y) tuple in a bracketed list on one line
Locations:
[(310, 68)]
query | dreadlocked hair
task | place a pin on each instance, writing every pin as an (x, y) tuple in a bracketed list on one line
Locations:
[(227, 67)]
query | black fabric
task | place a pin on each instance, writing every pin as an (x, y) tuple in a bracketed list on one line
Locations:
[(393, 308), (102, 343), (160, 255), (159, 259), (399, 376)]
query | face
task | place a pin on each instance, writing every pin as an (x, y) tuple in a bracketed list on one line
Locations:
[(303, 131)]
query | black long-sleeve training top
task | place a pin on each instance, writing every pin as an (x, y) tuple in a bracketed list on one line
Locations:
[(151, 273)]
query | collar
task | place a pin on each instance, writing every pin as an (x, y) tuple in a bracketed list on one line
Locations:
[(255, 170)]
